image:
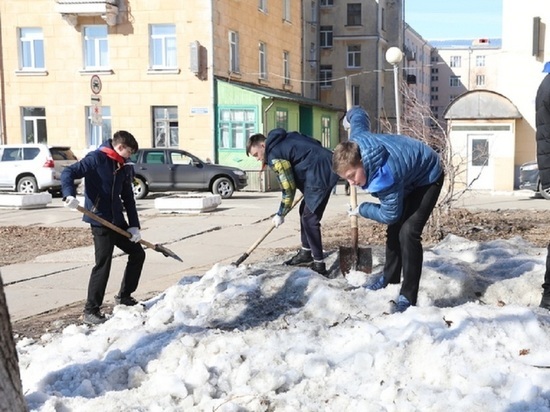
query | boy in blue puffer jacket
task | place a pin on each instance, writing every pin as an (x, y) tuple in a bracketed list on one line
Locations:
[(108, 192), (406, 176)]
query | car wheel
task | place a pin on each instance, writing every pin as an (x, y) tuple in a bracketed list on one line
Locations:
[(27, 184), (223, 187), (140, 188), (544, 193)]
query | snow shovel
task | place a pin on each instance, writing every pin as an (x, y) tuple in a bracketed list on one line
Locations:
[(261, 239), (354, 257), (158, 248)]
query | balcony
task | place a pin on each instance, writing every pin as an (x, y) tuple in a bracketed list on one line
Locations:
[(70, 10)]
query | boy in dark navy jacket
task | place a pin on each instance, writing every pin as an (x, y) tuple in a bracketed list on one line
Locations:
[(406, 176), (108, 192), (302, 163)]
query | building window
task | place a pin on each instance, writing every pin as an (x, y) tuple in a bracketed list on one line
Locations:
[(434, 97), (98, 133), (456, 61), (354, 56), (435, 78), (96, 48), (480, 61), (451, 97), (262, 5), (31, 48), (236, 126), (262, 60), (166, 124), (454, 81), (312, 55), (325, 75), (286, 67), (234, 65), (435, 89), (326, 36), (281, 118), (286, 10), (34, 125), (325, 131), (326, 3), (314, 13), (480, 152), (354, 14), (480, 80), (163, 46), (383, 19), (435, 71), (355, 97)]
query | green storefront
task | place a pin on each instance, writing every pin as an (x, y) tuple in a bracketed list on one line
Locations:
[(243, 110)]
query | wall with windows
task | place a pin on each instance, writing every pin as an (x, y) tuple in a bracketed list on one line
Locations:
[(143, 62), (354, 38)]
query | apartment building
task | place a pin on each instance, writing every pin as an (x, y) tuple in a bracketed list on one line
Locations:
[(200, 75), (461, 65), (354, 37), (416, 66)]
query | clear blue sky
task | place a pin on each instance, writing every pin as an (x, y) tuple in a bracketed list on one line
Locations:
[(455, 19)]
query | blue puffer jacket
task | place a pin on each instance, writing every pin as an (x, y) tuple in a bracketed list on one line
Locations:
[(311, 163), (108, 189), (395, 165)]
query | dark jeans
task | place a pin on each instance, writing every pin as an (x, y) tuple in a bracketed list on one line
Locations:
[(310, 227), (404, 239), (546, 284), (105, 241)]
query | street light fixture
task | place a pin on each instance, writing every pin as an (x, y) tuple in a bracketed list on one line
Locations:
[(394, 55)]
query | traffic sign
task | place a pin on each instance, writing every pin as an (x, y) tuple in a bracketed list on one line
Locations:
[(95, 84), (97, 119)]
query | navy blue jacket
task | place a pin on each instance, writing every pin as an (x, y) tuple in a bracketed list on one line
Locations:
[(395, 165), (108, 190), (311, 164)]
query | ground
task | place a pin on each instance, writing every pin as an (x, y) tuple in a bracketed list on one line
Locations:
[(473, 225)]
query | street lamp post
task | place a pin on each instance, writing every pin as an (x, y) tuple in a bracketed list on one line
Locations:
[(394, 55)]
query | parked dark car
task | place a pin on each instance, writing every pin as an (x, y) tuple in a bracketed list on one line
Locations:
[(167, 170), (529, 179)]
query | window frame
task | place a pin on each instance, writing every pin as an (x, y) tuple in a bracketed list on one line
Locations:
[(97, 134), (353, 60), (38, 123), (31, 41), (326, 37), (100, 59), (354, 14), (246, 126), (167, 42), (165, 122), (234, 59), (262, 60)]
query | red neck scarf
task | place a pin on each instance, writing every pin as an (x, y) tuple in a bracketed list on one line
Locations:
[(111, 154)]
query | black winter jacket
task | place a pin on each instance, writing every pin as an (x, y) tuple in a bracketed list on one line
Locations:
[(311, 163), (108, 190), (542, 122)]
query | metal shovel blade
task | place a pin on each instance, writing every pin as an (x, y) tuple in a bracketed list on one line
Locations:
[(359, 259)]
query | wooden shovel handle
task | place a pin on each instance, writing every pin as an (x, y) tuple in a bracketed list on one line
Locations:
[(108, 224)]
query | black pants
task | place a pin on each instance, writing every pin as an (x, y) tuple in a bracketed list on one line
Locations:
[(404, 239), (310, 227), (546, 284), (105, 241)]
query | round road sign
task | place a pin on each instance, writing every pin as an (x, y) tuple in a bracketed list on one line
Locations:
[(95, 84)]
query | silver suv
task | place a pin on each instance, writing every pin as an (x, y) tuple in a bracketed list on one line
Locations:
[(31, 168)]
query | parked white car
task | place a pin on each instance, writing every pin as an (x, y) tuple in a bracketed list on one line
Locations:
[(31, 168)]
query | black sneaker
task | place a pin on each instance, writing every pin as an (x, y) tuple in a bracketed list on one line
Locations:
[(94, 318), (302, 258), (320, 268), (125, 300)]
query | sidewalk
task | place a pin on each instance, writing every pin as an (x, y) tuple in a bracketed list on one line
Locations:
[(201, 240)]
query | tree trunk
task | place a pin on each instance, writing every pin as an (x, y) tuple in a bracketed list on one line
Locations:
[(11, 390)]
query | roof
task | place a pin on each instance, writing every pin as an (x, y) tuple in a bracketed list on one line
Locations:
[(281, 95), (466, 43), (481, 104)]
